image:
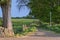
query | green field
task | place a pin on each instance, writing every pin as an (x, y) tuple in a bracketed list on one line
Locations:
[(18, 25), (21, 21)]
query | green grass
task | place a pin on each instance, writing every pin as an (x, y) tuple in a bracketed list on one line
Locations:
[(54, 28), (18, 23), (17, 29), (24, 20)]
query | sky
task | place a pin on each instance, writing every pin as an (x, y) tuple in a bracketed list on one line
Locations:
[(24, 11)]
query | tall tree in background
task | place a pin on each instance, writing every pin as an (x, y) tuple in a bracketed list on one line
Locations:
[(41, 9)]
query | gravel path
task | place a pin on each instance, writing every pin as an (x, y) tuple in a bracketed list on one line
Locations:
[(43, 33), (39, 35), (32, 38)]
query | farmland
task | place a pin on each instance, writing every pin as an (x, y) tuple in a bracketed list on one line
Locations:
[(18, 25), (20, 21)]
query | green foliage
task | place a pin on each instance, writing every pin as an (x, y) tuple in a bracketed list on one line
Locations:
[(31, 29), (17, 29), (18, 23), (44, 26), (55, 28), (58, 9), (0, 22), (2, 2), (41, 9)]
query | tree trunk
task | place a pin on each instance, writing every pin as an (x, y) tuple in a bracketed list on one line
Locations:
[(7, 24)]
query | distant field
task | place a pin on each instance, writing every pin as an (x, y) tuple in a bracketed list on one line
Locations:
[(17, 22), (24, 20)]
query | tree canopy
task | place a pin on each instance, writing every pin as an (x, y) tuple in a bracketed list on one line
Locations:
[(41, 9)]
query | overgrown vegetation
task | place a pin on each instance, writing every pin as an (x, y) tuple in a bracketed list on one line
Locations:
[(18, 26), (32, 25), (41, 9), (54, 28)]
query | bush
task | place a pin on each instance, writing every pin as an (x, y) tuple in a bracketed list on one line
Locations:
[(44, 26), (32, 29), (17, 29), (55, 28)]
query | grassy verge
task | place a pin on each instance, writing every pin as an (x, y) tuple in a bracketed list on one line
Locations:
[(54, 28), (19, 31)]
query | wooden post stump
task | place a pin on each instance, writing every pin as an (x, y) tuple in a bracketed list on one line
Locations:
[(25, 27)]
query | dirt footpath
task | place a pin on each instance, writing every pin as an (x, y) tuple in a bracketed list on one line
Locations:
[(38, 35), (32, 38)]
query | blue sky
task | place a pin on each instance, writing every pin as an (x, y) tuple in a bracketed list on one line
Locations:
[(15, 12)]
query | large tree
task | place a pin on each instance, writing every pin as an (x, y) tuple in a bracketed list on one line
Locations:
[(41, 9), (6, 12)]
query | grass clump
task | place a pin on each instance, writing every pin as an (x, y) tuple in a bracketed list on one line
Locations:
[(25, 32), (55, 28)]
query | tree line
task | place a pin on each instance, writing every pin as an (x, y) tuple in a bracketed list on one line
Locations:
[(41, 9)]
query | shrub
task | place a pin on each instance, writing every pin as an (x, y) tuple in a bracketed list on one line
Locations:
[(17, 29), (32, 29)]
